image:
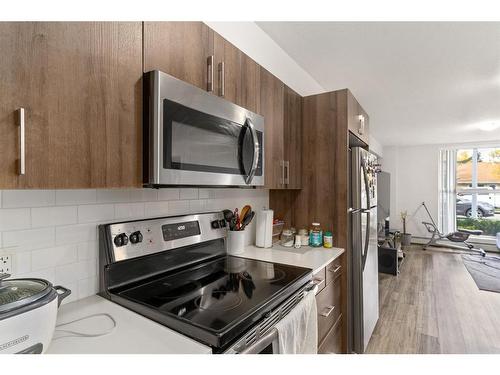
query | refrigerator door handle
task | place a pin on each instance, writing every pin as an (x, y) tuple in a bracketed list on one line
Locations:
[(367, 186), (367, 239)]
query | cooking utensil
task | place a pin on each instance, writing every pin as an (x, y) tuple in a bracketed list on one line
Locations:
[(244, 211), (247, 219), (28, 312), (237, 219), (228, 216)]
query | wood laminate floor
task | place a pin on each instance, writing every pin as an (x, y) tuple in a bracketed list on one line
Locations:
[(434, 306)]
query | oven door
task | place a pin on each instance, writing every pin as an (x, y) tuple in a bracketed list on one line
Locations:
[(201, 139)]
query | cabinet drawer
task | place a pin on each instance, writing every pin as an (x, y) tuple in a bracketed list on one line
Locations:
[(332, 343), (333, 271), (328, 304), (319, 279)]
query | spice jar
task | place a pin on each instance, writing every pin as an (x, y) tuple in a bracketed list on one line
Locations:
[(316, 235), (304, 237), (328, 240), (287, 238)]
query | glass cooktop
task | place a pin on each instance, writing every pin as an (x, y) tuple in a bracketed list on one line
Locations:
[(217, 294)]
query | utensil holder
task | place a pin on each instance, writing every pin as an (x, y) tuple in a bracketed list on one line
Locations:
[(235, 242)]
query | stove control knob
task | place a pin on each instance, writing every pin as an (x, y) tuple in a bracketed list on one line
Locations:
[(136, 237), (215, 224), (120, 240)]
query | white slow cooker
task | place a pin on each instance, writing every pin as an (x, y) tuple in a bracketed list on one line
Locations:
[(28, 312)]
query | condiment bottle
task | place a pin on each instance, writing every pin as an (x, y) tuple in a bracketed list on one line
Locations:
[(328, 240), (316, 235)]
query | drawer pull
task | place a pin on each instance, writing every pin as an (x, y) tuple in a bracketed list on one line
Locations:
[(326, 313), (317, 281), (335, 270)]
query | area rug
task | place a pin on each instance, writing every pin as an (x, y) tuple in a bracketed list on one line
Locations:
[(485, 271)]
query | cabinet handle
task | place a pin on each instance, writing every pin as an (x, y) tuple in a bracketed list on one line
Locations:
[(287, 172), (318, 281), (328, 311), (222, 79), (282, 177), (361, 128), (335, 270), (22, 134), (210, 73)]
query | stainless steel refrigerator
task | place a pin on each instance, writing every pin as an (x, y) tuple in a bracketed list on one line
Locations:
[(363, 262)]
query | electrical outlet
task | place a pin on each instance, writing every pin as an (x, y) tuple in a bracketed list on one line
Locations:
[(5, 264)]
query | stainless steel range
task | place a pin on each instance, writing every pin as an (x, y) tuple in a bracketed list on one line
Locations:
[(175, 270)]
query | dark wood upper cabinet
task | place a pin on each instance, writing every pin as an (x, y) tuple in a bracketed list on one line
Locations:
[(272, 108), (237, 77), (293, 139), (358, 121), (80, 86), (180, 49)]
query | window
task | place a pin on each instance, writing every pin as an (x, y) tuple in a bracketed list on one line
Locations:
[(478, 190)]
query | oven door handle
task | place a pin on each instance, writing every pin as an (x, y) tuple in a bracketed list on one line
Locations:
[(256, 149), (261, 344)]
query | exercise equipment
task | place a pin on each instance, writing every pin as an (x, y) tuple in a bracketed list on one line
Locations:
[(460, 236)]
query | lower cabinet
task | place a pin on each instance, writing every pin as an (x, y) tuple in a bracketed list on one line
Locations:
[(328, 302), (332, 343)]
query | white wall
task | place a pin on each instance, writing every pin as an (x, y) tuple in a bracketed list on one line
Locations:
[(52, 234), (253, 41), (414, 178)]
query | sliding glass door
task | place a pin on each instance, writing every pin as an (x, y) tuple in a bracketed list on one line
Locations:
[(478, 189)]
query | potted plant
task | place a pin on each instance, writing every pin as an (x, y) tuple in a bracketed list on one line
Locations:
[(405, 237)]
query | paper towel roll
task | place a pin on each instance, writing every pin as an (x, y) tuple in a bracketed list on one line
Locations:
[(264, 228)]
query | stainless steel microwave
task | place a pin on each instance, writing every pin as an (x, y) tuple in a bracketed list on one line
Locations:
[(192, 137)]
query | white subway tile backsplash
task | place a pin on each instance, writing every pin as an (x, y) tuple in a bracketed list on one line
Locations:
[(153, 209), (28, 198), (14, 218), (168, 194), (21, 262), (88, 250), (57, 256), (87, 287), (70, 234), (143, 195), (129, 210), (113, 196), (178, 207), (29, 239), (52, 234), (95, 212), (75, 197), (52, 216), (189, 193), (206, 193), (75, 271)]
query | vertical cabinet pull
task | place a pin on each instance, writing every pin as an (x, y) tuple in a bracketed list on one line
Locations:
[(287, 172), (361, 128), (210, 73), (282, 177), (22, 153), (222, 79)]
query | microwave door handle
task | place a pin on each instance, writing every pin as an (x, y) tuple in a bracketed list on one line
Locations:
[(256, 148)]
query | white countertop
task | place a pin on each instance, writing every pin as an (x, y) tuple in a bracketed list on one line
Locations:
[(309, 257), (133, 334)]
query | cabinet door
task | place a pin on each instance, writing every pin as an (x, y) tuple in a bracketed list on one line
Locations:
[(271, 105), (80, 84), (239, 81), (358, 120), (180, 49), (293, 139)]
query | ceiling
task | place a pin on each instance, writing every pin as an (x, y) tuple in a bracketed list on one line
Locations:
[(421, 83)]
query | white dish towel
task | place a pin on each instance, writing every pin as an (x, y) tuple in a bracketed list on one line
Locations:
[(298, 331)]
